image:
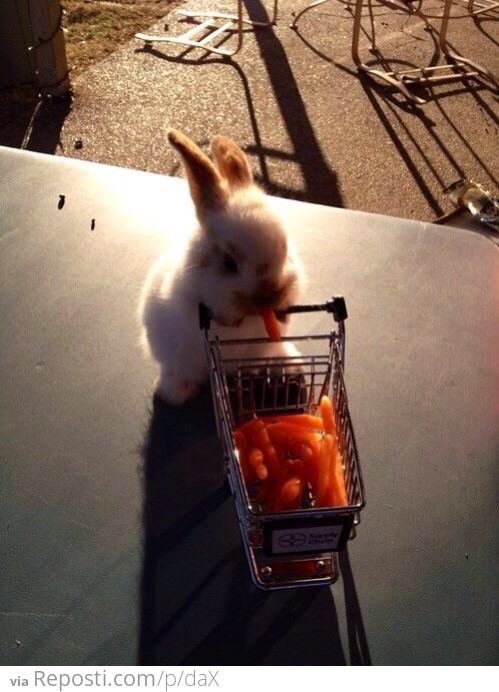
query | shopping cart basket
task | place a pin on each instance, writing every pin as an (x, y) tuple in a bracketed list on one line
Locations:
[(296, 547)]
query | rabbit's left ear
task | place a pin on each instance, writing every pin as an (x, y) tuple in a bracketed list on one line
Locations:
[(205, 182), (231, 161)]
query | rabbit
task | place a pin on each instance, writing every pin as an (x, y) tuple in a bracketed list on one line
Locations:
[(237, 261)]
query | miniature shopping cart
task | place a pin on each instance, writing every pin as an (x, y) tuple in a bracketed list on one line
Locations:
[(296, 547)]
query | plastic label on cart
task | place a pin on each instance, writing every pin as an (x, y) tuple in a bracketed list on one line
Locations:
[(288, 538)]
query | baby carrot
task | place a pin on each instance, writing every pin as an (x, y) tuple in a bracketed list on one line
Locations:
[(323, 471), (327, 499), (263, 441), (327, 415), (328, 496), (291, 430), (312, 464), (306, 420), (256, 459), (271, 324), (294, 465), (286, 451), (306, 453), (261, 472), (250, 426), (282, 443), (335, 494), (289, 492), (301, 420), (293, 452)]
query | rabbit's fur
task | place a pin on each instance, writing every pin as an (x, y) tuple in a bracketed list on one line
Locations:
[(237, 261)]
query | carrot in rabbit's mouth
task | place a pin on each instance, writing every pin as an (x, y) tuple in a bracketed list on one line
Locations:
[(271, 324)]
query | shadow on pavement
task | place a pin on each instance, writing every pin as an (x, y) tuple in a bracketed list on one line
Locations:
[(26, 122), (320, 184)]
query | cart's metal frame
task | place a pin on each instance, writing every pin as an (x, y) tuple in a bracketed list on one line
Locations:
[(211, 20), (457, 67), (249, 386)]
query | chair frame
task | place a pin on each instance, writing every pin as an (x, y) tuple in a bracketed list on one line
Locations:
[(457, 67), (210, 20)]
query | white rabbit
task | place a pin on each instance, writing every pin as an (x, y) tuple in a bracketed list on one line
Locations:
[(237, 261)]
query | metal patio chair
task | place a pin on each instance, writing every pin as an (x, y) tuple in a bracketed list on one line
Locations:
[(456, 66), (204, 33)]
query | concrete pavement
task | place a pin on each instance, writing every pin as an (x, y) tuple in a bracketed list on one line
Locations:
[(293, 100)]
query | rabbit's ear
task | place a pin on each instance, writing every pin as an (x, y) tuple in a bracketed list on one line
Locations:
[(231, 161), (205, 182)]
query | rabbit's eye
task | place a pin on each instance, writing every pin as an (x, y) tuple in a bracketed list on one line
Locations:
[(230, 263)]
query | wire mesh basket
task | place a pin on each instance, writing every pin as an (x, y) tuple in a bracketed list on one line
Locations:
[(290, 547)]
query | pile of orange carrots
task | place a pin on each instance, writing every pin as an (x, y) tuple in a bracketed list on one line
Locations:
[(288, 453)]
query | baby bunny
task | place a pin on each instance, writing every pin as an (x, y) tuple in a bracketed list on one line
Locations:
[(237, 261)]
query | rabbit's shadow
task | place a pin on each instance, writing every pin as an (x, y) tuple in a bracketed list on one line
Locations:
[(198, 605)]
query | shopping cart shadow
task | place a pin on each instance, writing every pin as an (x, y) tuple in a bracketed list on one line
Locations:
[(197, 603)]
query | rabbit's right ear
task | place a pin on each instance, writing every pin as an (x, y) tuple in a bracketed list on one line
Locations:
[(205, 182), (231, 161)]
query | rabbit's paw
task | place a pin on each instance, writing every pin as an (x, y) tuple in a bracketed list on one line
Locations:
[(173, 389)]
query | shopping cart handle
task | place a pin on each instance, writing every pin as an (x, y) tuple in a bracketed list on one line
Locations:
[(336, 306)]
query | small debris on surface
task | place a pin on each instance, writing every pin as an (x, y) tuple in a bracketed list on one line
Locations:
[(62, 200), (78, 144), (92, 224)]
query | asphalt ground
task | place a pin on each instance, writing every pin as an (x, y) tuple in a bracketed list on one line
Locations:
[(312, 127)]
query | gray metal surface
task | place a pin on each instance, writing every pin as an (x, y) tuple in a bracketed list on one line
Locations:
[(118, 541)]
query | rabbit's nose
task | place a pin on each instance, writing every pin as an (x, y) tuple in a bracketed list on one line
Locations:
[(265, 295)]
